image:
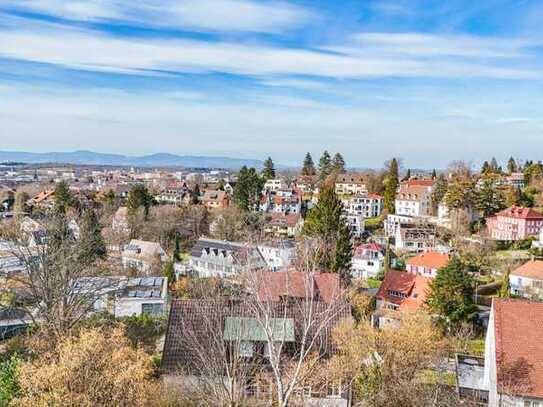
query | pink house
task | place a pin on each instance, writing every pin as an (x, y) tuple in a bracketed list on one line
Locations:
[(514, 223)]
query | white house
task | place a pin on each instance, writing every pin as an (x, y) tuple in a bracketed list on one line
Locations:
[(274, 184), (427, 264), (414, 198), (415, 238), (123, 296), (350, 184), (368, 260), (392, 223), (355, 223), (218, 258), (527, 280), (143, 255), (278, 255), (367, 205)]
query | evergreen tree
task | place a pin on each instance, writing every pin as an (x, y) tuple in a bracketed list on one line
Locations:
[(407, 175), (177, 249), (494, 167), (139, 197), (513, 196), (326, 223), (434, 174), (451, 295), (63, 198), (512, 165), (440, 190), (485, 169), (505, 289), (460, 194), (195, 195), (391, 183), (269, 170), (338, 164), (325, 166), (91, 240), (308, 168), (248, 189), (169, 272), (488, 199)]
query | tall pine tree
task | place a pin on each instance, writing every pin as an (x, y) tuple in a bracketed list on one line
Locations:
[(325, 166), (248, 189), (91, 240), (308, 168), (325, 222), (269, 169), (391, 185), (512, 165), (338, 164)]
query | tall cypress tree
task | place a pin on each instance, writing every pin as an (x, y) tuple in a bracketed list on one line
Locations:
[(326, 223), (325, 166), (91, 240), (139, 197), (512, 165), (269, 169), (434, 174), (63, 198), (308, 168), (391, 185)]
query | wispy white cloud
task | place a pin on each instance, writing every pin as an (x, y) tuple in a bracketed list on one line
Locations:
[(93, 50), (210, 15)]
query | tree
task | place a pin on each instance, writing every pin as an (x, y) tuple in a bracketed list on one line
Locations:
[(63, 198), (139, 197), (494, 166), (248, 189), (460, 194), (195, 195), (407, 175), (391, 185), (95, 367), (390, 367), (308, 168), (513, 196), (269, 170), (505, 289), (434, 174), (512, 165), (91, 237), (439, 192), (451, 295), (325, 166), (58, 291), (485, 169), (325, 222), (177, 249), (9, 380), (489, 200), (338, 164), (21, 198)]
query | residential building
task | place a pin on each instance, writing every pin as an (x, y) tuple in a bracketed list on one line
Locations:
[(400, 291), (427, 264), (415, 238), (281, 201), (218, 258), (198, 326), (44, 200), (144, 256), (350, 184), (513, 372), (283, 224), (538, 244), (368, 259), (515, 223), (447, 218), (124, 296), (367, 205), (392, 223), (278, 255), (215, 199), (274, 184), (414, 198), (527, 280), (176, 193), (515, 179), (355, 223)]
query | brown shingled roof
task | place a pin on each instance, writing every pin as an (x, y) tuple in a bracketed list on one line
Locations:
[(518, 328)]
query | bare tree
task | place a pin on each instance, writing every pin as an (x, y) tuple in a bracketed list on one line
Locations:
[(55, 290)]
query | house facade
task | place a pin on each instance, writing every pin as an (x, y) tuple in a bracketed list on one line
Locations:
[(350, 184), (527, 280), (427, 264), (414, 198), (366, 205), (368, 259), (143, 256), (515, 223)]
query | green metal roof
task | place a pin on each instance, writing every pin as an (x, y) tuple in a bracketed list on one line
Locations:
[(250, 329)]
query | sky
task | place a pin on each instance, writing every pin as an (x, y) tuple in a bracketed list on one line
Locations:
[(429, 81)]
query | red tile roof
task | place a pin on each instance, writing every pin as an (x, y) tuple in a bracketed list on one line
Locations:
[(368, 246), (419, 182), (275, 285), (532, 269), (520, 213), (279, 219), (518, 329), (433, 260), (412, 286)]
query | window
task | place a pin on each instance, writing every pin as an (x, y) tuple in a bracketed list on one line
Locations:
[(152, 309), (246, 349)]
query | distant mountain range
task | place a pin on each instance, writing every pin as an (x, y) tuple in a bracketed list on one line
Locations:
[(153, 160)]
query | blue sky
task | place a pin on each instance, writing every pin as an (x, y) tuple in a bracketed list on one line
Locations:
[(429, 81)]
